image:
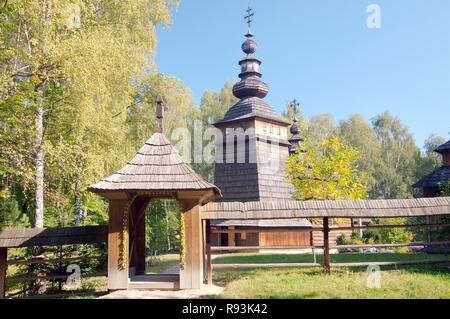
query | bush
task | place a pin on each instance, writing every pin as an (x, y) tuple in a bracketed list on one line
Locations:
[(341, 240)]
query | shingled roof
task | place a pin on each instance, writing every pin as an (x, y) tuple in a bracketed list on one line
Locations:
[(383, 208), (439, 177), (268, 223), (442, 148), (29, 237), (156, 167), (251, 107)]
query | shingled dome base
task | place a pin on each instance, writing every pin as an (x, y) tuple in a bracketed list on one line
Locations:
[(156, 167)]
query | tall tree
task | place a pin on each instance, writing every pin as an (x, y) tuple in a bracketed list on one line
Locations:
[(360, 134), (213, 107), (78, 64), (320, 128), (395, 169)]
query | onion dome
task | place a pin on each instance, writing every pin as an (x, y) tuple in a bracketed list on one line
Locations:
[(295, 139), (249, 46), (250, 90), (250, 84)]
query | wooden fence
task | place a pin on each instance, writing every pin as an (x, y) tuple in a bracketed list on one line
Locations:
[(325, 229), (60, 275)]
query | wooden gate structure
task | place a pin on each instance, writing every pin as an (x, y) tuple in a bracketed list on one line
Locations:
[(156, 172)]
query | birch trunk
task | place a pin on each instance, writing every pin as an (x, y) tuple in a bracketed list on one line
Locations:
[(167, 226), (39, 194), (78, 210)]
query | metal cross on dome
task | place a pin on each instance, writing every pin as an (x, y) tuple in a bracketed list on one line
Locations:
[(249, 16), (295, 105)]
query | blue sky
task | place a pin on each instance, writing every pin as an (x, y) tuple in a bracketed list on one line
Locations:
[(322, 53)]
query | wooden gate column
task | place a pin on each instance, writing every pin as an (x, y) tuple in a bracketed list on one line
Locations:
[(140, 247), (117, 246), (191, 272), (326, 245), (3, 267)]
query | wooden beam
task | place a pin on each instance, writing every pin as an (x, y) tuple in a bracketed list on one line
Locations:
[(260, 230), (271, 265), (326, 245), (117, 275), (240, 248), (438, 243), (208, 253), (191, 276), (392, 263), (52, 261), (139, 231), (389, 226), (3, 268)]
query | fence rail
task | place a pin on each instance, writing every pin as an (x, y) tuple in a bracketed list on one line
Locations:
[(59, 277), (326, 229), (246, 248)]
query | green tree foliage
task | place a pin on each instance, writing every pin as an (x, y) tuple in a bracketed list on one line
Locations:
[(360, 134), (179, 107), (163, 226), (77, 62), (396, 168), (213, 107), (330, 173)]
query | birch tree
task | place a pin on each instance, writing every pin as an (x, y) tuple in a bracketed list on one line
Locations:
[(71, 63)]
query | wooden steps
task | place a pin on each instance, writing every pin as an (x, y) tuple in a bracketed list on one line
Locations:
[(154, 282)]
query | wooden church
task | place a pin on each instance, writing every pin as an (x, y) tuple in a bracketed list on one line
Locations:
[(251, 167), (431, 183)]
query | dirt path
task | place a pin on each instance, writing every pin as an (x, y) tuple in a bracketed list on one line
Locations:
[(208, 291), (172, 270)]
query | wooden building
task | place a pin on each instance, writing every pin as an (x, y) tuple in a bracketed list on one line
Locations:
[(251, 159), (269, 232), (431, 183)]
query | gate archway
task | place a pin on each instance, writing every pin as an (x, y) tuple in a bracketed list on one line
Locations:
[(156, 171)]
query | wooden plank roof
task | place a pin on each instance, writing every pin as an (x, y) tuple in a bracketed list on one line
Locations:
[(328, 208), (269, 223), (441, 176), (442, 148), (156, 167), (29, 237), (251, 107)]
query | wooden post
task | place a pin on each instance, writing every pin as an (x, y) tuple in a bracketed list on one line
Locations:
[(140, 247), (231, 237), (191, 276), (208, 253), (311, 243), (117, 274), (3, 267), (326, 245)]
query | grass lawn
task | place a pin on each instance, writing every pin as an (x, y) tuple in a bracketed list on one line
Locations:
[(419, 281), (163, 263)]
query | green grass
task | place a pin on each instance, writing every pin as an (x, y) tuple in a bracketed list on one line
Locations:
[(163, 263), (418, 281), (256, 258)]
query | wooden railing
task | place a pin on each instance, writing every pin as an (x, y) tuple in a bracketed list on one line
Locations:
[(60, 277), (326, 229)]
